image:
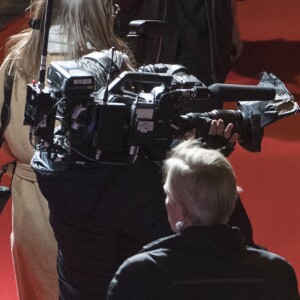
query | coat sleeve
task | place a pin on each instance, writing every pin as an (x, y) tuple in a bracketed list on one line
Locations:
[(140, 277), (129, 281), (291, 285)]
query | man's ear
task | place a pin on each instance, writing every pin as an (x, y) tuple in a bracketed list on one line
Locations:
[(175, 212), (180, 210), (181, 216)]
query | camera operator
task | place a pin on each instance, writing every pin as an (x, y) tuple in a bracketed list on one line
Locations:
[(206, 258), (78, 27), (101, 213)]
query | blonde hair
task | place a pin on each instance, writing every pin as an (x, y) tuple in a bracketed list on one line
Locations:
[(82, 22), (203, 181)]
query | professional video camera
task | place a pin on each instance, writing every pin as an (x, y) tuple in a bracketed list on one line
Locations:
[(142, 111)]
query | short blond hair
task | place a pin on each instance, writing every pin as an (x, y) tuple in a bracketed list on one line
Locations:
[(203, 181)]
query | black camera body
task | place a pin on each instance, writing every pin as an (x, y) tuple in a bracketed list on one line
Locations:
[(91, 126), (138, 111)]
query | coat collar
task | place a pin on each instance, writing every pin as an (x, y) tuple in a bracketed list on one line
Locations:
[(218, 239)]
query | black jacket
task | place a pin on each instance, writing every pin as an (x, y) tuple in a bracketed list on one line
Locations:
[(100, 216), (204, 262), (208, 51)]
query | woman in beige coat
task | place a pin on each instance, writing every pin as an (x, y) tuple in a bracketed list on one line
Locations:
[(78, 27)]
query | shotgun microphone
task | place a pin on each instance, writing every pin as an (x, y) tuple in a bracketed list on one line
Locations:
[(234, 92)]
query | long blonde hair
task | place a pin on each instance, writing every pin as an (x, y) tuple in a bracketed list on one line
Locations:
[(82, 21)]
